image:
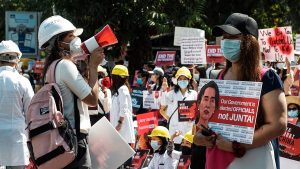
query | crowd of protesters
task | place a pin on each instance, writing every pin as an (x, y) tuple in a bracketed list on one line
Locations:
[(102, 92)]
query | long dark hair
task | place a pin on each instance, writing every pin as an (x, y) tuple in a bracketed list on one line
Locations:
[(160, 81), (163, 147), (249, 60), (53, 51), (117, 82)]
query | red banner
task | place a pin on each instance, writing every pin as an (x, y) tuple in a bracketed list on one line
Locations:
[(38, 67), (186, 110), (139, 159), (214, 54), (236, 111), (290, 143), (165, 58), (146, 122)]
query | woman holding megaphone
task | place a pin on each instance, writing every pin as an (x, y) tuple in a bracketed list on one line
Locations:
[(59, 38)]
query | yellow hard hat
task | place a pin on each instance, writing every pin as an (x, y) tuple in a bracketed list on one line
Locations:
[(183, 71), (160, 131), (189, 137), (120, 70)]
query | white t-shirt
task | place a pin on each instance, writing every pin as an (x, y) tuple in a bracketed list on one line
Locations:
[(171, 100), (70, 81), (163, 161), (122, 107)]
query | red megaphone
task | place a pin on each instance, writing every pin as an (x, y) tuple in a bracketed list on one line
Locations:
[(105, 37)]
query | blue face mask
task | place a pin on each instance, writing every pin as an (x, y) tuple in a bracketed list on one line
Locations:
[(231, 49), (293, 113), (154, 144), (139, 81), (183, 83)]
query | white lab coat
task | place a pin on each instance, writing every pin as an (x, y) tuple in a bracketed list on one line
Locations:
[(171, 100), (122, 107), (163, 161), (15, 95)]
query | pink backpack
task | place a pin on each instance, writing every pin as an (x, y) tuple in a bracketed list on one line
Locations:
[(52, 142)]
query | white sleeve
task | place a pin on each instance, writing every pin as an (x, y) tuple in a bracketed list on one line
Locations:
[(73, 79), (167, 98), (107, 101), (171, 163), (123, 100), (27, 95)]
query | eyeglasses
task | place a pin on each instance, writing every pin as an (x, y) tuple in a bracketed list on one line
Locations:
[(294, 109)]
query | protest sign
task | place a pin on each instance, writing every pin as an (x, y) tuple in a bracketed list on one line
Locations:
[(276, 43), (139, 159), (293, 120), (181, 32), (107, 148), (146, 122), (151, 100), (184, 162), (187, 110), (238, 104), (137, 98), (214, 54), (165, 58), (290, 143), (193, 50)]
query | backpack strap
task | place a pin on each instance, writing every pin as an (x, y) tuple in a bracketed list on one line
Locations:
[(50, 74)]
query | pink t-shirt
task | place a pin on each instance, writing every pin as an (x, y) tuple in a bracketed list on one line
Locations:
[(218, 159)]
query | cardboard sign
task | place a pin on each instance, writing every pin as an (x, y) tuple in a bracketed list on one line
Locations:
[(107, 148), (146, 122), (139, 159), (151, 100), (238, 104), (181, 32), (165, 58), (187, 110), (137, 98), (193, 50), (290, 143), (214, 54), (276, 43), (184, 162)]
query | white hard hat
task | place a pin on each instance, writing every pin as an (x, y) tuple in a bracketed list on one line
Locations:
[(55, 25), (10, 46)]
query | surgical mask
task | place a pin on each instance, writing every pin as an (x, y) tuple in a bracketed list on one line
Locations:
[(231, 49), (174, 80), (139, 81), (154, 144), (75, 48), (196, 77), (293, 113), (183, 84)]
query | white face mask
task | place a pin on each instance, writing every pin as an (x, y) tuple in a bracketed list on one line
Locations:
[(75, 48), (174, 80), (196, 77), (154, 144)]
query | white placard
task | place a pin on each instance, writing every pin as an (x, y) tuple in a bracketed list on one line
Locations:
[(182, 32), (107, 147), (151, 100), (193, 50), (236, 115), (289, 164), (276, 43), (297, 44)]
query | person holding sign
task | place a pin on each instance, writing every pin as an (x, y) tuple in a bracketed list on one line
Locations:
[(241, 50), (293, 106), (181, 92)]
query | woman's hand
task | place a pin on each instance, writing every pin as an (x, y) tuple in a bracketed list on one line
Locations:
[(223, 144), (118, 127), (176, 134), (202, 140), (165, 84)]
